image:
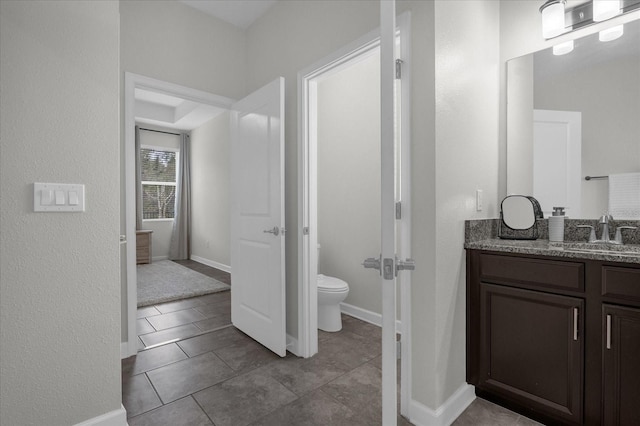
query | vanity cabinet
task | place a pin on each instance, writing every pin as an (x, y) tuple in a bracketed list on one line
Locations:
[(555, 339), (621, 365), (531, 350), (621, 346)]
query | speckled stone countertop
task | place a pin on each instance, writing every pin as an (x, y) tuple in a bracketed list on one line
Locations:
[(482, 235)]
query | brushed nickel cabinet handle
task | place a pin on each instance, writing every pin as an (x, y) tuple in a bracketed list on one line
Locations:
[(608, 331), (575, 323)]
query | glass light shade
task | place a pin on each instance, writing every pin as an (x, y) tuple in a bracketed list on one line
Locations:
[(605, 9), (563, 48), (611, 33), (553, 20)]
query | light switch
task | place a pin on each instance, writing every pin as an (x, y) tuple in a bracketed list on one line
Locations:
[(60, 198), (73, 198), (46, 197)]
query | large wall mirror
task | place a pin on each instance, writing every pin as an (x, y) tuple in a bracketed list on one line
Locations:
[(571, 116)]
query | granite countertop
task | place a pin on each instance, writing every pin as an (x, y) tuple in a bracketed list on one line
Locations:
[(572, 250), (482, 235)]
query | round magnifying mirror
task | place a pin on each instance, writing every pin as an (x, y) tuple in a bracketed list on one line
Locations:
[(518, 212)]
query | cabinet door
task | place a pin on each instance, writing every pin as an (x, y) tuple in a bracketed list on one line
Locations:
[(532, 349), (621, 365)]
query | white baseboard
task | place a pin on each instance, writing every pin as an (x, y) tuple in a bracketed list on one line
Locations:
[(159, 258), (421, 415), (292, 345), (112, 418), (212, 263), (367, 316)]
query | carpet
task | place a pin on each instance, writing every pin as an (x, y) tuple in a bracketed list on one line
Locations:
[(165, 281)]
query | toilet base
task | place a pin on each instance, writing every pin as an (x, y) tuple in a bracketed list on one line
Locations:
[(329, 318)]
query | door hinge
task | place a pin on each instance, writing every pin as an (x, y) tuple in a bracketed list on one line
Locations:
[(305, 230), (399, 210), (399, 69), (398, 349)]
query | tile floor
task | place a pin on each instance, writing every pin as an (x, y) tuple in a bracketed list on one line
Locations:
[(213, 374)]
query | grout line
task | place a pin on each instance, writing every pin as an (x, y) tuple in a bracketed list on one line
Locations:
[(180, 339), (202, 408)]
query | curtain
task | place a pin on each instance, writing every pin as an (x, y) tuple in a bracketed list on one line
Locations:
[(138, 182), (181, 234)]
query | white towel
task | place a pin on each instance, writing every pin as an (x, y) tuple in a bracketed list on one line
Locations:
[(624, 196)]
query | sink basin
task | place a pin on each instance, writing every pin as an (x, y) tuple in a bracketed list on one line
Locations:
[(609, 249)]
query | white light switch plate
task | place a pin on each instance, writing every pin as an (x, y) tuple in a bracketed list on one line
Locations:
[(54, 197)]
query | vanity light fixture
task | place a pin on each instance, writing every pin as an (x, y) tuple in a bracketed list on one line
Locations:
[(553, 18), (563, 48), (559, 19), (605, 9), (611, 33)]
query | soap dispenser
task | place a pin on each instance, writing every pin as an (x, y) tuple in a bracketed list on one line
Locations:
[(556, 225)]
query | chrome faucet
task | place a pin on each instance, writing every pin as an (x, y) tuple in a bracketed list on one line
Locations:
[(604, 221)]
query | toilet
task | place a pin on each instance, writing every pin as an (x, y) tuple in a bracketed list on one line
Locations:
[(331, 292)]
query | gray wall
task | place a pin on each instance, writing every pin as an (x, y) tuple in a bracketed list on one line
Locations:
[(210, 191), (60, 284), (348, 178)]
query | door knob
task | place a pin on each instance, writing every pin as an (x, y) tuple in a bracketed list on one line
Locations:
[(275, 231), (371, 263)]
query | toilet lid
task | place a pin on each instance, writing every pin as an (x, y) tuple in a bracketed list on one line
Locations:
[(331, 283)]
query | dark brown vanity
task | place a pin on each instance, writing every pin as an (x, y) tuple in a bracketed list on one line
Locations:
[(554, 333)]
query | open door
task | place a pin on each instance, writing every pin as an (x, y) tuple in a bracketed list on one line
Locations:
[(257, 216), (388, 264)]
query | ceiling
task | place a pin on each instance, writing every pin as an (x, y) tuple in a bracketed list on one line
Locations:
[(241, 13), (171, 112)]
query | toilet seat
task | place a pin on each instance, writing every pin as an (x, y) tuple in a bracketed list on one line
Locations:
[(331, 284)]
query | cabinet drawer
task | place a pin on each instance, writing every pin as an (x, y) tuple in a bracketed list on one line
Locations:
[(537, 273), (620, 282)]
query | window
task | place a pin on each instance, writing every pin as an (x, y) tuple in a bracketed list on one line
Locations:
[(158, 183)]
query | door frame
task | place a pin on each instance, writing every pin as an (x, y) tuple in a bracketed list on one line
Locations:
[(307, 344), (131, 82)]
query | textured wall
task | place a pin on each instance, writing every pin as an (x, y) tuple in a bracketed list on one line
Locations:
[(173, 42), (467, 76), (210, 188), (60, 283)]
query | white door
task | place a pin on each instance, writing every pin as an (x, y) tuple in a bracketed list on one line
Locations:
[(557, 169), (257, 216), (389, 265)]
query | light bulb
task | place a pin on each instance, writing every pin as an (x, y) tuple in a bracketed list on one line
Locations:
[(563, 48), (552, 18), (611, 33), (605, 9)]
